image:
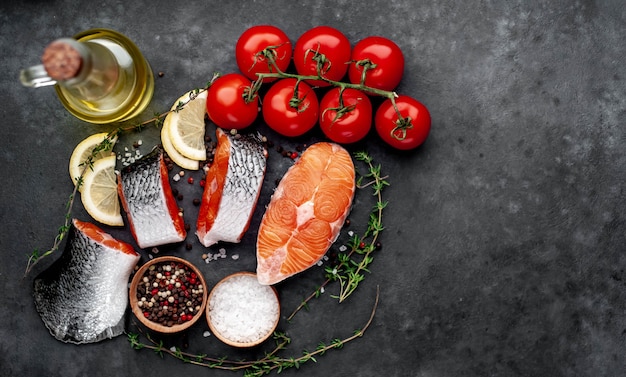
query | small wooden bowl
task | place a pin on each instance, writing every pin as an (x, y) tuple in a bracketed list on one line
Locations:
[(139, 312), (235, 297)]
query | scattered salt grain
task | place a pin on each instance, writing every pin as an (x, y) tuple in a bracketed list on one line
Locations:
[(242, 310), (173, 349), (343, 248), (350, 233), (176, 177), (206, 334), (235, 256)]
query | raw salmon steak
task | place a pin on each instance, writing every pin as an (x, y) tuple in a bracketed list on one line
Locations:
[(146, 196), (232, 187), (305, 213), (82, 296)]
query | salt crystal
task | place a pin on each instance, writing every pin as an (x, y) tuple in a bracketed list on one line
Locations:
[(350, 233), (343, 248), (176, 177), (242, 310), (206, 334), (235, 256), (173, 349)]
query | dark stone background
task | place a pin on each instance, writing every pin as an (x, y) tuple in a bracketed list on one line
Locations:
[(504, 247)]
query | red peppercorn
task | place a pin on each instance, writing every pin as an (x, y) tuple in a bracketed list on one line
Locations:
[(362, 245), (202, 183), (293, 155), (154, 291), (190, 180), (146, 314), (192, 281)]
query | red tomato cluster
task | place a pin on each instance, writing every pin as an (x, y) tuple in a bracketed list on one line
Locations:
[(322, 57)]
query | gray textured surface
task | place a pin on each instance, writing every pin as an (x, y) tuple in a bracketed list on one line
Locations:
[(504, 249)]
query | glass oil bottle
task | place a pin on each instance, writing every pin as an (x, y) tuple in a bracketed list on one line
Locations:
[(100, 76)]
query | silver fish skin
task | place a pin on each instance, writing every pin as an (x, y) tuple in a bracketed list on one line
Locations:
[(82, 297), (242, 186), (145, 192)]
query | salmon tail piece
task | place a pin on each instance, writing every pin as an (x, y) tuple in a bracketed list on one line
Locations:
[(306, 212), (146, 195), (82, 297), (232, 187)]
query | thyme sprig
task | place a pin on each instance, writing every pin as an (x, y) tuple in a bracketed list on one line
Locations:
[(271, 361), (354, 263), (106, 145)]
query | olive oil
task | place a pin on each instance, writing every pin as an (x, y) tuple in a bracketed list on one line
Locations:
[(113, 81)]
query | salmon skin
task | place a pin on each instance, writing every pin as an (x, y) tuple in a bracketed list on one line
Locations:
[(82, 296), (232, 187), (306, 212), (146, 196)]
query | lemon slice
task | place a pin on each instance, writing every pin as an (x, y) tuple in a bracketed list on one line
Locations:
[(174, 155), (84, 149), (186, 126), (99, 194)]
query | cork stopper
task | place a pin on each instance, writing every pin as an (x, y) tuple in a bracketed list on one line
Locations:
[(61, 60)]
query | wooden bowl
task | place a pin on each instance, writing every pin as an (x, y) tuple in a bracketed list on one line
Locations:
[(177, 305), (241, 312)]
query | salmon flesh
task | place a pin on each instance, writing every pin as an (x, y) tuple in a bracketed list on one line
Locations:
[(306, 212), (146, 196), (83, 295), (232, 187)]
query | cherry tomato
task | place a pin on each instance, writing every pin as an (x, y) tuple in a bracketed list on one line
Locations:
[(227, 103), (324, 46), (346, 119), (281, 116), (408, 133), (257, 46), (381, 60)]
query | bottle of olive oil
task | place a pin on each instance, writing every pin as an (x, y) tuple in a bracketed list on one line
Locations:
[(100, 76)]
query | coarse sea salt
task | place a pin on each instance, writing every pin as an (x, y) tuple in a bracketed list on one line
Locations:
[(243, 311)]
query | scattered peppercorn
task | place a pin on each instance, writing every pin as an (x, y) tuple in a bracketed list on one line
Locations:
[(188, 246), (196, 202), (190, 180), (161, 74)]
